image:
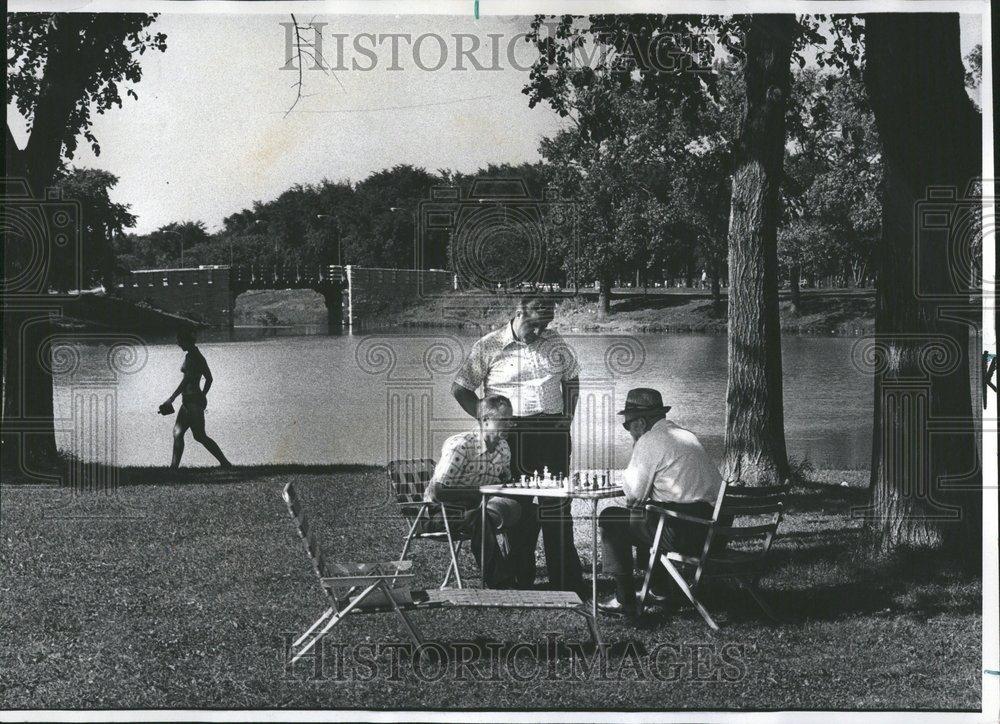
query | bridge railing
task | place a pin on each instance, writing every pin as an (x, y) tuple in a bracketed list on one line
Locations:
[(278, 276)]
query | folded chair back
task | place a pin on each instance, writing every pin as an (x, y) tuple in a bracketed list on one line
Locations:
[(339, 580), (308, 537), (745, 523), (409, 480)]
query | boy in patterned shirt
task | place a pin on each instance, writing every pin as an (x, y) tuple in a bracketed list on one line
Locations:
[(473, 459)]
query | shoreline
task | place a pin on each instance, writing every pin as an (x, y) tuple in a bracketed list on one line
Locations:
[(616, 328), (821, 313)]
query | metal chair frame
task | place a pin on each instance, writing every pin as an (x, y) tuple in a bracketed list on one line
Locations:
[(409, 479), (742, 567), (359, 588)]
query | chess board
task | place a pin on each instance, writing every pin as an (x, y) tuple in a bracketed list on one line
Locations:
[(580, 483)]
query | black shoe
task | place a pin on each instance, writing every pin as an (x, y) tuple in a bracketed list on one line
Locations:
[(613, 607)]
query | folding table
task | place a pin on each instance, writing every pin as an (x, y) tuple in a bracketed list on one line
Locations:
[(577, 493)]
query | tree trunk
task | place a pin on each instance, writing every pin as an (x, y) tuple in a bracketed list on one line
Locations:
[(604, 297), (794, 275), (716, 288), (925, 488), (755, 434), (27, 432)]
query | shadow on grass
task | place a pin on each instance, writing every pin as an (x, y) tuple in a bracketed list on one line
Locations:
[(917, 584), (162, 475)]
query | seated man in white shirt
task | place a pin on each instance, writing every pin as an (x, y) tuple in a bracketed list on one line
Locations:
[(473, 459), (668, 466)]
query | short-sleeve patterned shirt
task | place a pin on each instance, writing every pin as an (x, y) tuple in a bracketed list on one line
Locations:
[(530, 375), (465, 461)]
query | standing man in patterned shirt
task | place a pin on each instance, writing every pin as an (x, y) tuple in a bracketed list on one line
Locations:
[(536, 369)]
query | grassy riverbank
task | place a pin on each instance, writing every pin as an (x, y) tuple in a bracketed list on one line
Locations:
[(178, 590), (821, 312)]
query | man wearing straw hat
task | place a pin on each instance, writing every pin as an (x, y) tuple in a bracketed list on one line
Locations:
[(670, 467)]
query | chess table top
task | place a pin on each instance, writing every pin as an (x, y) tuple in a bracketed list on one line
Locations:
[(613, 490)]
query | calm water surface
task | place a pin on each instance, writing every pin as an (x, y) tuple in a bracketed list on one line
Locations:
[(295, 397)]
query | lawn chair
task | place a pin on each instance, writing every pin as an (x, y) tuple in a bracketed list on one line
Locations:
[(358, 588), (718, 559), (409, 480)]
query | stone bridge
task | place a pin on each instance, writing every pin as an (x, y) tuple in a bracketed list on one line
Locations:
[(353, 295)]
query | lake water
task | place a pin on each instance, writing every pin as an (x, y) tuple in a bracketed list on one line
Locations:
[(294, 397)]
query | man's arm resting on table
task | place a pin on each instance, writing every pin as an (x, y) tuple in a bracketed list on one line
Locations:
[(468, 399), (440, 493)]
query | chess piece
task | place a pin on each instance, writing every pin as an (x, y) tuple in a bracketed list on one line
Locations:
[(534, 480), (524, 480), (546, 475)]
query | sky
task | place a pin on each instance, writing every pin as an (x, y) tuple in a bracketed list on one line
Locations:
[(211, 131)]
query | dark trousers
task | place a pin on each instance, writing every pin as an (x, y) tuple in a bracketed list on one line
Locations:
[(536, 442), (466, 521), (500, 568), (623, 529)]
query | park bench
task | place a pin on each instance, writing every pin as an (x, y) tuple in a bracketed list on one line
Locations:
[(731, 551), (360, 588), (409, 480)]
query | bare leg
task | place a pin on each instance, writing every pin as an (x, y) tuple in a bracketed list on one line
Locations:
[(180, 429), (198, 430)]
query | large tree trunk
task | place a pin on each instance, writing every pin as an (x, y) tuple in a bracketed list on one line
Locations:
[(925, 473), (755, 433), (27, 433)]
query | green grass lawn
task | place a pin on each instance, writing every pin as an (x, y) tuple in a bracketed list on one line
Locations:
[(180, 591)]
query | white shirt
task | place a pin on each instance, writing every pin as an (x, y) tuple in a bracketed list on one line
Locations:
[(669, 465), (530, 375)]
